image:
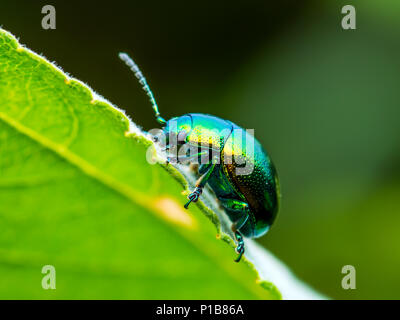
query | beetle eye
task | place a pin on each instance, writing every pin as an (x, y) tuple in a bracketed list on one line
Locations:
[(182, 137)]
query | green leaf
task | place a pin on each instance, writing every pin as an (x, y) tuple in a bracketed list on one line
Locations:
[(77, 192)]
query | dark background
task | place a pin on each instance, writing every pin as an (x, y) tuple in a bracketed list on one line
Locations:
[(323, 101)]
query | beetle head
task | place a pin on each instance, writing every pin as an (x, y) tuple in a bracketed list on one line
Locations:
[(176, 130)]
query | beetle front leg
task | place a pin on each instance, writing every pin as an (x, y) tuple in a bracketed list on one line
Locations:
[(200, 183)]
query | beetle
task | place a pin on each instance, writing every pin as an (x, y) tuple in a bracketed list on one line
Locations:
[(249, 196)]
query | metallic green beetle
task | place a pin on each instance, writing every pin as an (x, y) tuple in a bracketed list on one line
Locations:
[(245, 183)]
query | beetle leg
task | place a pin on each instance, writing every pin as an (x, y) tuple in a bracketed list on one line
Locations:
[(203, 168), (200, 183), (184, 158), (190, 157), (234, 205), (240, 245), (239, 238), (194, 196), (240, 223), (242, 209), (194, 167)]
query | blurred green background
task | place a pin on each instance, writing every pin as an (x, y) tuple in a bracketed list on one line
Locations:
[(322, 100)]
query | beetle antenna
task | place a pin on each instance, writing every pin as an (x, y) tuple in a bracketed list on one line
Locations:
[(142, 80)]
